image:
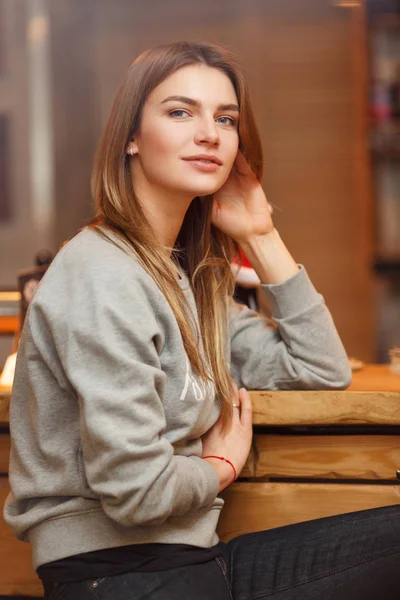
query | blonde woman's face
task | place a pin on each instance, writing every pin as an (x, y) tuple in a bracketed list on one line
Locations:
[(192, 113)]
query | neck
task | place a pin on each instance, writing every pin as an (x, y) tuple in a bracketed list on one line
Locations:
[(164, 209)]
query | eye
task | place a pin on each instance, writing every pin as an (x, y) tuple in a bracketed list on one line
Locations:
[(228, 120), (178, 113)]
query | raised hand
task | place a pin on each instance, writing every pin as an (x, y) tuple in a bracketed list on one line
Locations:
[(240, 208)]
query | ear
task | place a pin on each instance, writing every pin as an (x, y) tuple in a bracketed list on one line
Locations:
[(132, 148)]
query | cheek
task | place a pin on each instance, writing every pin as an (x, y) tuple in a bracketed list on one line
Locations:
[(154, 143), (232, 146), (230, 161), (161, 139)]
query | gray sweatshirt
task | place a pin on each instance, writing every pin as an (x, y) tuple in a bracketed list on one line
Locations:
[(106, 415)]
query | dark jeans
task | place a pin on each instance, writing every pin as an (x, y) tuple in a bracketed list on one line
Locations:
[(348, 557)]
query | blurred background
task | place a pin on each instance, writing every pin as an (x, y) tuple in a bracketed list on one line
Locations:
[(325, 82)]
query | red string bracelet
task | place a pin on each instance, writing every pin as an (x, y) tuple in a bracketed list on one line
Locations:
[(226, 460)]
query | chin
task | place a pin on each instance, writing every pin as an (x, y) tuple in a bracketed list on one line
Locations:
[(197, 186), (203, 190)]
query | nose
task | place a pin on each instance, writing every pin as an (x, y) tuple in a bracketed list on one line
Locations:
[(207, 132)]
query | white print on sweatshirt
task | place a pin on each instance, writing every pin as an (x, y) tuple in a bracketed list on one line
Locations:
[(199, 387)]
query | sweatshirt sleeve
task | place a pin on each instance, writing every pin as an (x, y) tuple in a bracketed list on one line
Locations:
[(299, 348), (108, 340)]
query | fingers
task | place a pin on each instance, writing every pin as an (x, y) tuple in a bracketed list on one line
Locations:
[(236, 401), (246, 408)]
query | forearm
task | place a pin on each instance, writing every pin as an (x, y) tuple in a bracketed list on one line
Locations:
[(270, 258)]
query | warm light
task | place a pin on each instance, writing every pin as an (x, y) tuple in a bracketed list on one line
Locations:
[(347, 3), (10, 296), (38, 29)]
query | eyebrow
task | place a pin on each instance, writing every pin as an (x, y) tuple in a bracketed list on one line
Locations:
[(193, 102)]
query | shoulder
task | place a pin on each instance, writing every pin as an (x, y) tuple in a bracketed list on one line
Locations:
[(89, 251), (93, 268)]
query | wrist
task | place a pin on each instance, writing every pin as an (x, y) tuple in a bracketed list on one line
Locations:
[(253, 242), (269, 257), (225, 470)]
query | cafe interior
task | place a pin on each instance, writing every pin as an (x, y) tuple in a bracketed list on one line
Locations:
[(324, 78)]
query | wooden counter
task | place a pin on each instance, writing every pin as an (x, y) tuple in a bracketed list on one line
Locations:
[(318, 454), (314, 454), (373, 388), (375, 378)]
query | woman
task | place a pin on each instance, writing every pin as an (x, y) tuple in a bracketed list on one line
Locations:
[(126, 418)]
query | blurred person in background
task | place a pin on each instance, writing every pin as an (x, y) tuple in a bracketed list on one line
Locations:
[(129, 411)]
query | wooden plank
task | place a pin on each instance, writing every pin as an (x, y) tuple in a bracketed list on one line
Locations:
[(258, 506), (305, 408), (17, 576), (5, 444), (329, 457), (326, 456), (325, 408), (249, 469)]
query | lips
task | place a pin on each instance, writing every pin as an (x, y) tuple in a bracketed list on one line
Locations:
[(205, 158)]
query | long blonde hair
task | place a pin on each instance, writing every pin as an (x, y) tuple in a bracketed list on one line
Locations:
[(202, 249)]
